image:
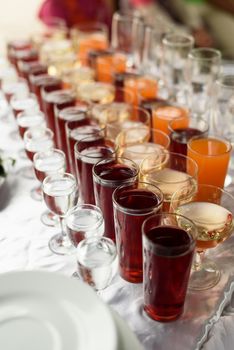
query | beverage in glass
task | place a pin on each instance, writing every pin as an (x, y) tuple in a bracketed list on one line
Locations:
[(169, 242), (30, 119), (108, 174)]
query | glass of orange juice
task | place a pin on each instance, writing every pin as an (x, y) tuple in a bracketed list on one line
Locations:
[(164, 114), (143, 85), (108, 65), (212, 156)]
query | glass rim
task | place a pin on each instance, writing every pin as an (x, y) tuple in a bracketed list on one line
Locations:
[(216, 54), (28, 133), (49, 151), (162, 133), (68, 124), (59, 177), (199, 119), (113, 150), (111, 159), (196, 191), (51, 96), (92, 207), (142, 211), (220, 81), (25, 114), (190, 245), (174, 154), (164, 117), (189, 39), (29, 95), (211, 137)]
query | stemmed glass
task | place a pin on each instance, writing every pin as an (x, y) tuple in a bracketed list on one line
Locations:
[(211, 210), (47, 163), (127, 37), (36, 140), (60, 194), (176, 48), (203, 67)]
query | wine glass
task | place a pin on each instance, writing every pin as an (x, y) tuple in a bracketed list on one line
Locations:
[(60, 194), (211, 210), (176, 48), (47, 163), (170, 172)]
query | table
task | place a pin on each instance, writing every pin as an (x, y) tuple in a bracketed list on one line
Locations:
[(24, 239)]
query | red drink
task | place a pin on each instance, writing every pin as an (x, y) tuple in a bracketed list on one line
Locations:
[(66, 115), (132, 205), (107, 176), (32, 68), (88, 152), (17, 45), (29, 55), (53, 102), (168, 253), (180, 138), (76, 130), (45, 82)]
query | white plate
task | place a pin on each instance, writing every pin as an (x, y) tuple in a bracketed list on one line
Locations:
[(47, 311), (126, 338)]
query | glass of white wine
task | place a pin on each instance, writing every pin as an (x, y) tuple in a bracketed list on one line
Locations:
[(211, 209)]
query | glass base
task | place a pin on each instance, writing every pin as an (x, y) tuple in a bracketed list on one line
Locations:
[(36, 194), (49, 219), (205, 278), (61, 245), (27, 172), (75, 275)]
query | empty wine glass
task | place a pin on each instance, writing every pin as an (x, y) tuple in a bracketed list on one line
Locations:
[(203, 67), (175, 53), (60, 194), (127, 37), (211, 210)]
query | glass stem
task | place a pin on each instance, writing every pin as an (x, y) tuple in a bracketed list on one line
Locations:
[(61, 222), (199, 256)]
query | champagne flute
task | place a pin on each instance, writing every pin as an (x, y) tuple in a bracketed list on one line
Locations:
[(60, 194)]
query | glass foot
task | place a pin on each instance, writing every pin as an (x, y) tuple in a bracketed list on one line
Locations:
[(49, 219), (205, 278), (61, 245), (27, 172), (36, 194)]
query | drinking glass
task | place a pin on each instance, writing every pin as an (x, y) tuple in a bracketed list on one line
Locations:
[(203, 67), (47, 163), (84, 221), (12, 86), (76, 130), (87, 37), (96, 92), (32, 69), (30, 119), (53, 102), (152, 49), (211, 210), (60, 194), (163, 114), (212, 156), (176, 48), (222, 107), (108, 64), (145, 85), (169, 242), (133, 203), (180, 135), (108, 174), (36, 140), (44, 82), (77, 75), (127, 37), (138, 151), (23, 101), (88, 152), (64, 115), (169, 171), (95, 261)]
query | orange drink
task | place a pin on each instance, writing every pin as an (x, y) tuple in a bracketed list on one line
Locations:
[(212, 157), (108, 65), (143, 85), (163, 115)]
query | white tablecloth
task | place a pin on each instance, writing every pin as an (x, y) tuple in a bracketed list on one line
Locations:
[(23, 245)]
